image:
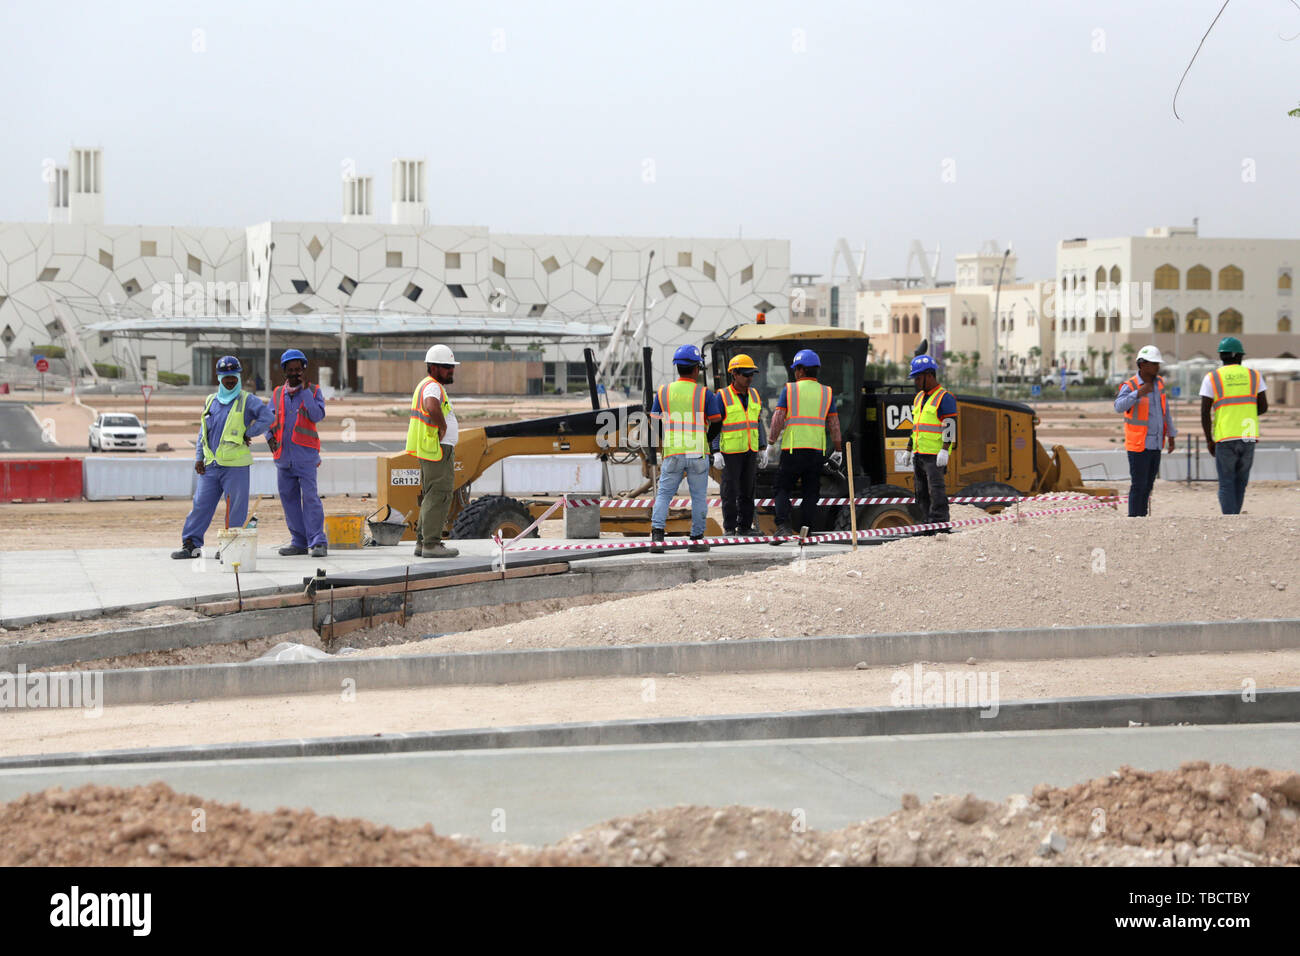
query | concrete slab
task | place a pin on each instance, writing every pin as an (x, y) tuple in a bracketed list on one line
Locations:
[(542, 794)]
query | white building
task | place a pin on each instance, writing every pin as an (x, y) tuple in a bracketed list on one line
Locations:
[(59, 278), (1178, 290)]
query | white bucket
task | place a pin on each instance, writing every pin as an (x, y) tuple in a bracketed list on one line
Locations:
[(237, 546)]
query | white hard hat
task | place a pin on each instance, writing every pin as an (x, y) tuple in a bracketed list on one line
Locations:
[(439, 355), (1149, 353)]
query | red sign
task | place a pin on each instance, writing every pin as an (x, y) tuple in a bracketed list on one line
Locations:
[(42, 365), (146, 391)]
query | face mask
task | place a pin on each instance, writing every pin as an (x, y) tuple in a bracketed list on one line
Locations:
[(227, 395)]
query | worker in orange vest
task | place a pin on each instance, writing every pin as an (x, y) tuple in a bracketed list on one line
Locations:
[(1147, 425), (298, 405)]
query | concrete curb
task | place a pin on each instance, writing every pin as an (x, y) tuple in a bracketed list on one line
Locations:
[(588, 577), (211, 681), (1068, 713)]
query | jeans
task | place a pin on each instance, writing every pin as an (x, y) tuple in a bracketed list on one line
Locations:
[(671, 473), (437, 479), (216, 482), (303, 513), (804, 467), (1143, 466), (1233, 460), (738, 472), (931, 488)]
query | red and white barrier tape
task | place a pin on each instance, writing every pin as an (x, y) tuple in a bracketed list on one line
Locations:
[(680, 542), (769, 502)]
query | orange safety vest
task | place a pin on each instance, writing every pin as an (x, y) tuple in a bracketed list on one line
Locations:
[(1135, 419), (304, 429)]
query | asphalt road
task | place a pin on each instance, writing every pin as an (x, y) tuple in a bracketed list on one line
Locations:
[(19, 430)]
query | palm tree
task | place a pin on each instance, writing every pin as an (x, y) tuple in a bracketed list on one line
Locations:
[(1129, 350), (1105, 361), (1092, 360), (1035, 353)]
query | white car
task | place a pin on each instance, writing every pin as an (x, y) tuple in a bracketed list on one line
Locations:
[(117, 432), (1072, 377)]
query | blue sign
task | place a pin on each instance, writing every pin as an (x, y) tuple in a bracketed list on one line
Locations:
[(1176, 391), (1036, 391), (37, 358), (1062, 378)]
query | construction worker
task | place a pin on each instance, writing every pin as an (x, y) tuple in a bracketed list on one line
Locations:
[(1147, 426), (431, 437), (932, 410), (805, 415), (1232, 399), (297, 456), (690, 417), (736, 449), (232, 418)]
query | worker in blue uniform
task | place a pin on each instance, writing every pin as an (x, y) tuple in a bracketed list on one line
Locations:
[(232, 418), (298, 406)]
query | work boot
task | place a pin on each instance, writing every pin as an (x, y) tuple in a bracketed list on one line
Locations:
[(656, 540), (188, 550), (697, 543), (291, 549), (439, 550), (320, 551), (781, 530), (417, 549)]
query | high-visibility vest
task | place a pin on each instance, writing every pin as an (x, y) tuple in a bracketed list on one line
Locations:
[(231, 451), (1135, 419), (304, 429), (681, 406), (807, 405), (1236, 402), (421, 433), (740, 421), (927, 426)]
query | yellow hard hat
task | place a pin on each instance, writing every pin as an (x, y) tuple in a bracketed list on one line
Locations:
[(742, 362)]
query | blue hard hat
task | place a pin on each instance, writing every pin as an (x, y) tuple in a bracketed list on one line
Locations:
[(290, 355), (807, 358), (688, 355), (922, 363), (228, 365)]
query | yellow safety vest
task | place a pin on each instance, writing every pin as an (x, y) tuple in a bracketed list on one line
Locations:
[(927, 427), (1236, 402), (807, 405), (231, 451), (421, 433), (740, 421), (681, 405)]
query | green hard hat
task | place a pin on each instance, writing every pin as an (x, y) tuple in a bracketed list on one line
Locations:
[(1232, 345)]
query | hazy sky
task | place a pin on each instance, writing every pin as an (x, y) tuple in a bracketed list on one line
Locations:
[(804, 121)]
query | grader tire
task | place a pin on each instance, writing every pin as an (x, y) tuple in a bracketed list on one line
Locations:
[(484, 517)]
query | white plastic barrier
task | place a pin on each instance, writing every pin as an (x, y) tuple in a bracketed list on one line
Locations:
[(1271, 464), (527, 475), (107, 478)]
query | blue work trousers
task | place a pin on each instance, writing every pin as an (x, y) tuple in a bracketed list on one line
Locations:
[(217, 482), (696, 472), (303, 512)]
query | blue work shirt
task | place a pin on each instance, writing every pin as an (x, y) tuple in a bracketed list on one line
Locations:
[(310, 400), (258, 416), (1128, 397)]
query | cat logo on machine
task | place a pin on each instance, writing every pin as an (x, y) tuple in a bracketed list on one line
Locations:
[(898, 416)]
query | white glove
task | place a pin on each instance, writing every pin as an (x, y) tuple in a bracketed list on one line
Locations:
[(837, 458), (906, 462), (717, 460), (765, 457), (941, 459)]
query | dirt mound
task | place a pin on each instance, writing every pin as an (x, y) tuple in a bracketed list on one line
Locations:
[(1197, 815)]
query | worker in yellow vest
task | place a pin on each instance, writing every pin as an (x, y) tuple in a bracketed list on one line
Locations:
[(934, 410), (1147, 426), (689, 417), (232, 418), (736, 449), (431, 434), (804, 420), (1232, 399)]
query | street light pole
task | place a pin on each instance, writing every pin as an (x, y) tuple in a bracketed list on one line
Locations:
[(997, 299), (645, 295), (266, 345)]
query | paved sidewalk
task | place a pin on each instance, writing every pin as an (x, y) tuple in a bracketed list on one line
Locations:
[(35, 585), (542, 794)]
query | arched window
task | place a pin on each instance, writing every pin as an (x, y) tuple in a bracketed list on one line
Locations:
[(1198, 277), (1100, 277), (1099, 323), (1229, 322), (895, 325), (1166, 277), (1053, 325), (1230, 279), (1115, 275), (1284, 323), (1114, 321), (1198, 320), (1284, 282), (1165, 321)]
